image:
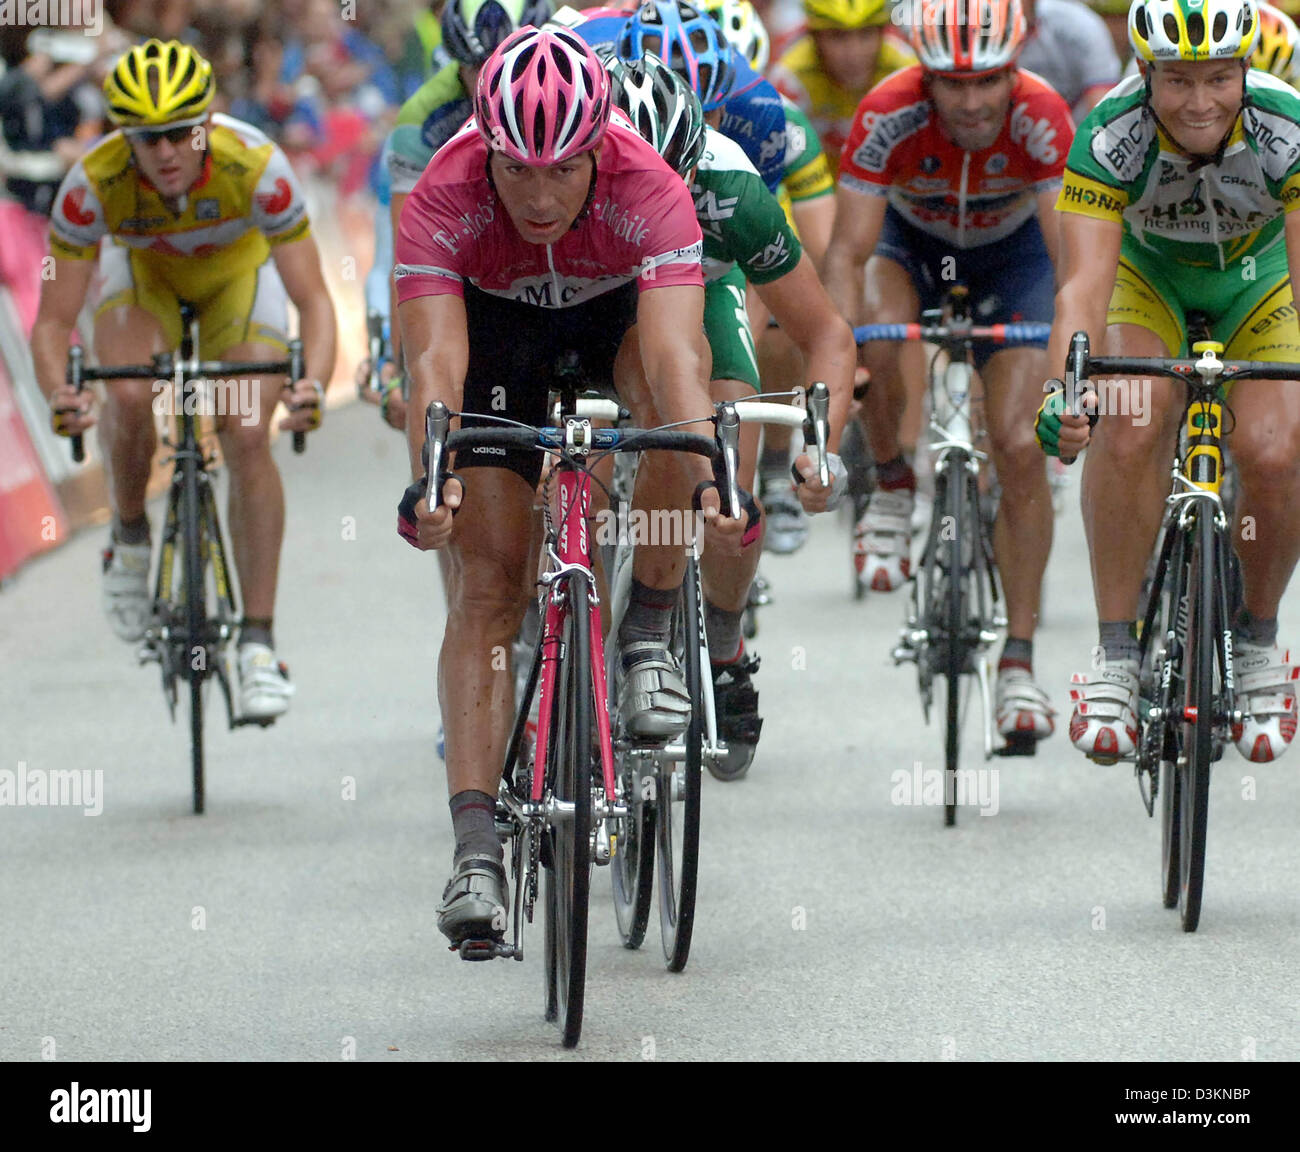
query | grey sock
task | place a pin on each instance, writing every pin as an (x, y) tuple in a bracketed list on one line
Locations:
[(473, 820), (1017, 653), (131, 531), (723, 629), (649, 614), (256, 630), (1259, 632), (1119, 641)]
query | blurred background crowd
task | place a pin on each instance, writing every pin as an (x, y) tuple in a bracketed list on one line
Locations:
[(323, 78)]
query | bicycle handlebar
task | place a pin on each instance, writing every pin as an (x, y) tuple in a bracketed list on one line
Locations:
[(164, 365), (724, 448), (1006, 335)]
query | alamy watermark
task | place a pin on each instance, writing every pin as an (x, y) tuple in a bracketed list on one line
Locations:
[(1115, 396), (84, 16), (52, 788), (241, 398), (966, 787)]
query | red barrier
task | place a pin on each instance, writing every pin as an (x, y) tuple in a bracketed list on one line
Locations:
[(31, 518)]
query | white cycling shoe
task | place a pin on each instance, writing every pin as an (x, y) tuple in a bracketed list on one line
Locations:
[(1266, 694), (882, 540), (124, 588), (264, 688), (1024, 713), (1104, 724)]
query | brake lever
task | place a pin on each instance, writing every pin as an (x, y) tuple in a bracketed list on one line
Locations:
[(1076, 369), (728, 422), (436, 421), (816, 428)]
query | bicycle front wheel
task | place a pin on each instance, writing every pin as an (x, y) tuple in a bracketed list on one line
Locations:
[(569, 775), (678, 792), (196, 615), (956, 522), (1199, 717)]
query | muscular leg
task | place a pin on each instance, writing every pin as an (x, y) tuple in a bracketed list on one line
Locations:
[(1023, 535), (128, 335), (488, 582), (662, 481), (891, 299), (1125, 476), (1266, 446), (256, 509)]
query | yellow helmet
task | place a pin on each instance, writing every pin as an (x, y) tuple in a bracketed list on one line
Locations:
[(1275, 51), (158, 83), (825, 14)]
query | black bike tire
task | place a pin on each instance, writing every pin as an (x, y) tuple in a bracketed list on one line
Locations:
[(954, 626), (569, 881), (196, 615), (632, 868), (1198, 744), (1171, 590), (677, 884)]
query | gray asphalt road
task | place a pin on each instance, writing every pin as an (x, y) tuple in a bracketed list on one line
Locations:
[(295, 919)]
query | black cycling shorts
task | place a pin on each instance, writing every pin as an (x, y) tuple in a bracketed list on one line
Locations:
[(513, 350)]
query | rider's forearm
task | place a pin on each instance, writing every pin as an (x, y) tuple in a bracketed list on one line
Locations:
[(1079, 307), (319, 337), (843, 277), (49, 343), (675, 374), (431, 378)]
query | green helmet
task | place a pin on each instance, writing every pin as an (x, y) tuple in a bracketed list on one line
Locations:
[(662, 106), (1193, 29)]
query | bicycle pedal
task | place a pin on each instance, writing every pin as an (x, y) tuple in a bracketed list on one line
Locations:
[(1018, 744), (249, 721), (476, 950)]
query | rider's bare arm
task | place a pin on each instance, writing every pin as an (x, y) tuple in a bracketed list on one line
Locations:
[(814, 220), (674, 368), (298, 263), (395, 330), (858, 221), (1049, 223), (1089, 259), (807, 315), (435, 333), (61, 299)]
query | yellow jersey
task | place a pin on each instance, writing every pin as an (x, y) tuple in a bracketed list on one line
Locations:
[(246, 200), (799, 75)]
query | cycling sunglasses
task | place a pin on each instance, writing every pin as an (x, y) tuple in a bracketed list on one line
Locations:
[(177, 135)]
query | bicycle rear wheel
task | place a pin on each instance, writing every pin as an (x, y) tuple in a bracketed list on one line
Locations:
[(196, 615), (633, 862), (569, 772), (1198, 738), (678, 791)]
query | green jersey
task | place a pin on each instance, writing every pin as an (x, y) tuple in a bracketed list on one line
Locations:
[(1122, 167), (742, 222)]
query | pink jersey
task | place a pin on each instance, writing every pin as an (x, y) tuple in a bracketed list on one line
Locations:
[(641, 226), (898, 149)]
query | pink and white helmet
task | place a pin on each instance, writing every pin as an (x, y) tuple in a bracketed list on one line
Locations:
[(542, 97)]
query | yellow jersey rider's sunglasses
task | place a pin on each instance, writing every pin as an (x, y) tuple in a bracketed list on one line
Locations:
[(151, 136)]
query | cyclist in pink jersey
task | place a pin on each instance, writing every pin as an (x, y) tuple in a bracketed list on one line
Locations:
[(544, 228)]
